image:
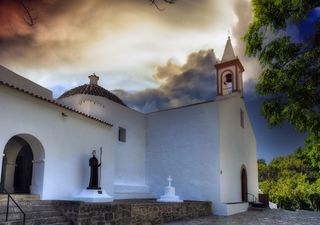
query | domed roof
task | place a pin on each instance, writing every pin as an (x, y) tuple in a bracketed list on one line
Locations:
[(92, 89)]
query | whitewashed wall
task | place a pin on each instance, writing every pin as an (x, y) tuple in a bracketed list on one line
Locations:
[(67, 143), (237, 148), (129, 178), (184, 143)]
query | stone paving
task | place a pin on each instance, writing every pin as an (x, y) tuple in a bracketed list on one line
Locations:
[(266, 217)]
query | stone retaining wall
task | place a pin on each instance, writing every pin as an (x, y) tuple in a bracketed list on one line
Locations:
[(131, 213)]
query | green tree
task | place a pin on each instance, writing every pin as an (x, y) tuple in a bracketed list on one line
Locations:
[(291, 182), (263, 172), (315, 195), (290, 77)]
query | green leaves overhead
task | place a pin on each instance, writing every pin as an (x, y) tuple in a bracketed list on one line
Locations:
[(290, 77), (290, 84)]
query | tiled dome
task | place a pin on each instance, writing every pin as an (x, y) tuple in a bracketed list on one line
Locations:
[(92, 89)]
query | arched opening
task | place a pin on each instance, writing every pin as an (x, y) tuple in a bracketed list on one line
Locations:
[(244, 184), (23, 171), (23, 165), (227, 83)]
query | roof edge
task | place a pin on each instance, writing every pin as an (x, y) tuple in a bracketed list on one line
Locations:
[(181, 107), (55, 103), (85, 88)]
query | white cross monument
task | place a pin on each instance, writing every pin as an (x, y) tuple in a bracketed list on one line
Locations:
[(169, 193)]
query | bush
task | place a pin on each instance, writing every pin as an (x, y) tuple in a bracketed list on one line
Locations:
[(291, 182), (315, 201)]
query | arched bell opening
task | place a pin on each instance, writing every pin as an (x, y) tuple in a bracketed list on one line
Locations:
[(227, 82)]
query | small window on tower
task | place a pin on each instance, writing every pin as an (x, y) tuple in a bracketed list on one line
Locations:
[(241, 118), (122, 134)]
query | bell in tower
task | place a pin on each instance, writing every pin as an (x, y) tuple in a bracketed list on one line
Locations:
[(229, 72)]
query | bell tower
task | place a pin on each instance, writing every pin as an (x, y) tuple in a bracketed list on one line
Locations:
[(229, 72)]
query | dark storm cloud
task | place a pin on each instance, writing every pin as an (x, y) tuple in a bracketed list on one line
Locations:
[(243, 12), (54, 37), (193, 82), (65, 31)]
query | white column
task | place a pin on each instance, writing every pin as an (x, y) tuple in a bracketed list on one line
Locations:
[(10, 169), (37, 177)]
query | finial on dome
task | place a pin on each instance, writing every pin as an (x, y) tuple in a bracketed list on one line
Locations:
[(94, 79)]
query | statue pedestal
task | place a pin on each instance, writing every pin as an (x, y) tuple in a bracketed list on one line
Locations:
[(169, 195), (93, 195)]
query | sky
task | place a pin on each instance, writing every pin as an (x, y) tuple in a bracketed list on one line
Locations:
[(152, 59)]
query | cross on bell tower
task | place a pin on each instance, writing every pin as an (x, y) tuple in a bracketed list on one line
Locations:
[(229, 72)]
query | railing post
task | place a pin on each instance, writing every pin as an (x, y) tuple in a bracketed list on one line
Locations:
[(7, 213), (254, 197), (10, 197)]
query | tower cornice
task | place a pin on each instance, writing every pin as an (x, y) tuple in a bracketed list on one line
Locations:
[(230, 63)]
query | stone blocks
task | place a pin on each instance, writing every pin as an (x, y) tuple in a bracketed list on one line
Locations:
[(131, 212)]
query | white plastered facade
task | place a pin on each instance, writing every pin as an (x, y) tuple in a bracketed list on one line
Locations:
[(202, 146), (60, 144)]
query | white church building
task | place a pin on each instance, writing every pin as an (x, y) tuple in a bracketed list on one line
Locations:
[(209, 148)]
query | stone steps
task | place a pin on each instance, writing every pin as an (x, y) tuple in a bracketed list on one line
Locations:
[(250, 208), (54, 220), (29, 215), (255, 208), (19, 197), (14, 209), (37, 213), (258, 205), (29, 202)]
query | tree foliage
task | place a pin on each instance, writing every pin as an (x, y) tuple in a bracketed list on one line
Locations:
[(290, 77), (292, 182)]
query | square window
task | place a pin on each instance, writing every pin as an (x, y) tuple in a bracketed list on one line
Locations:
[(122, 134)]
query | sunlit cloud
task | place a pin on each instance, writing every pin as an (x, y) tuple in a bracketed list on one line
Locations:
[(121, 41)]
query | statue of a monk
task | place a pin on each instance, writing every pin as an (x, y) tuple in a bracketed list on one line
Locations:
[(94, 165)]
